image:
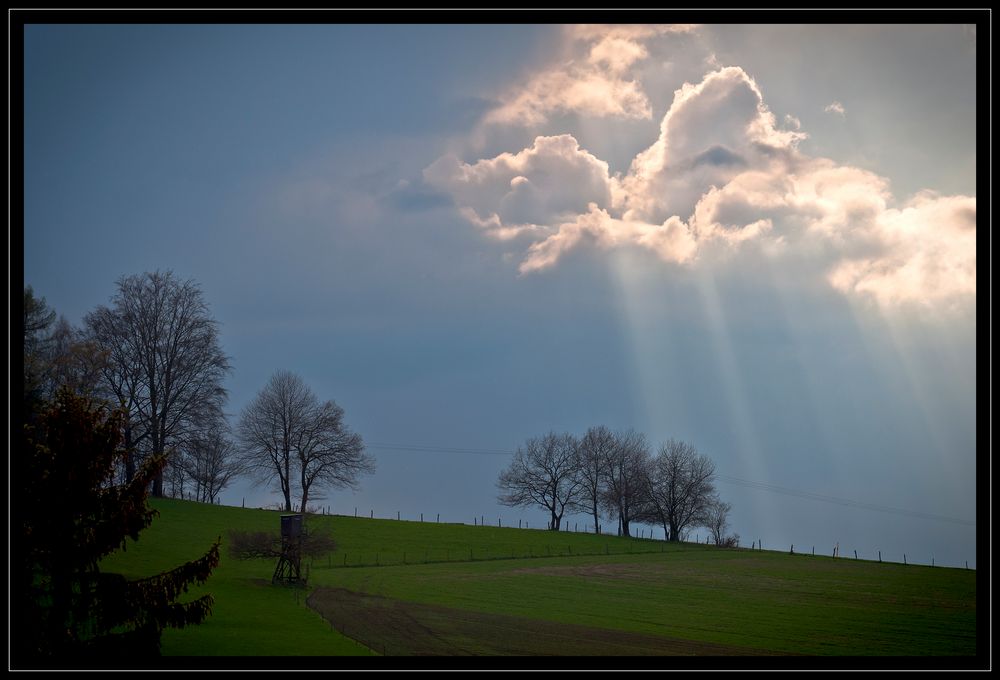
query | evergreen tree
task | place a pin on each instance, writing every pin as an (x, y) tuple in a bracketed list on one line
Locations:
[(69, 514)]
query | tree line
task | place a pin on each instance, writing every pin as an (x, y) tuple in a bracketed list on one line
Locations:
[(154, 352), (129, 405), (616, 475)]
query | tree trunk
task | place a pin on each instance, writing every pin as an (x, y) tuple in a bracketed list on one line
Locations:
[(129, 456), (157, 445), (305, 497), (287, 487)]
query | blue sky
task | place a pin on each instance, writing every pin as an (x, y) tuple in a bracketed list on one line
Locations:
[(468, 235)]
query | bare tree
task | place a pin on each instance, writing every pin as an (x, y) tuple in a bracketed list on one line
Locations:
[(74, 361), (328, 453), (122, 380), (209, 462), (625, 490), (593, 458), (287, 436), (268, 428), (38, 316), (164, 365), (680, 487), (56, 354), (543, 472), (717, 519)]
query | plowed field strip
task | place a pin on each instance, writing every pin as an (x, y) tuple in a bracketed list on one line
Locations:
[(400, 628)]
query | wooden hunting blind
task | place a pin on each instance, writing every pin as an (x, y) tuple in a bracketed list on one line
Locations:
[(291, 526), (290, 563)]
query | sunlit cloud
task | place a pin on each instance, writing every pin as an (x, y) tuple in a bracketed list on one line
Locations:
[(592, 82), (671, 241), (578, 89), (713, 131), (721, 171), (591, 32), (835, 107), (926, 252), (551, 181)]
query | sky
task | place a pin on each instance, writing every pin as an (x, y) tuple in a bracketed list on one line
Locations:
[(759, 239)]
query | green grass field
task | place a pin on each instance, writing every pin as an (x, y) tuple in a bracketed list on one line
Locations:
[(757, 601)]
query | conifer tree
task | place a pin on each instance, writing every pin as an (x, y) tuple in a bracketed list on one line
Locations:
[(69, 514)]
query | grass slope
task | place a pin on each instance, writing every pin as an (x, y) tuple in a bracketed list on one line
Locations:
[(758, 600)]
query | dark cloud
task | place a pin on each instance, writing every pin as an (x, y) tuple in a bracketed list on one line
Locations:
[(718, 156)]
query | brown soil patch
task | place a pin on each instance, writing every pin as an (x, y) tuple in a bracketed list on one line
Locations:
[(612, 571), (399, 628)]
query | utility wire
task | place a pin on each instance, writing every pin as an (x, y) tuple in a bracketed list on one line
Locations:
[(763, 486), (839, 501)]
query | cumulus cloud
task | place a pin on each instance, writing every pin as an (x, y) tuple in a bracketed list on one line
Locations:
[(591, 32), (721, 171), (549, 182), (585, 89), (713, 131), (672, 240), (835, 107), (927, 253), (593, 82)]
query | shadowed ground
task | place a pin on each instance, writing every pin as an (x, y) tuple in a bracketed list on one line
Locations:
[(400, 628)]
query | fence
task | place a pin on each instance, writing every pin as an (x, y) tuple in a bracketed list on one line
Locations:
[(478, 554), (574, 527)]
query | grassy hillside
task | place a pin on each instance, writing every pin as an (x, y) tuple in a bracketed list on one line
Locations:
[(760, 602)]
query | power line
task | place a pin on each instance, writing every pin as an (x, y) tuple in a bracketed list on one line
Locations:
[(763, 486), (840, 501)]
